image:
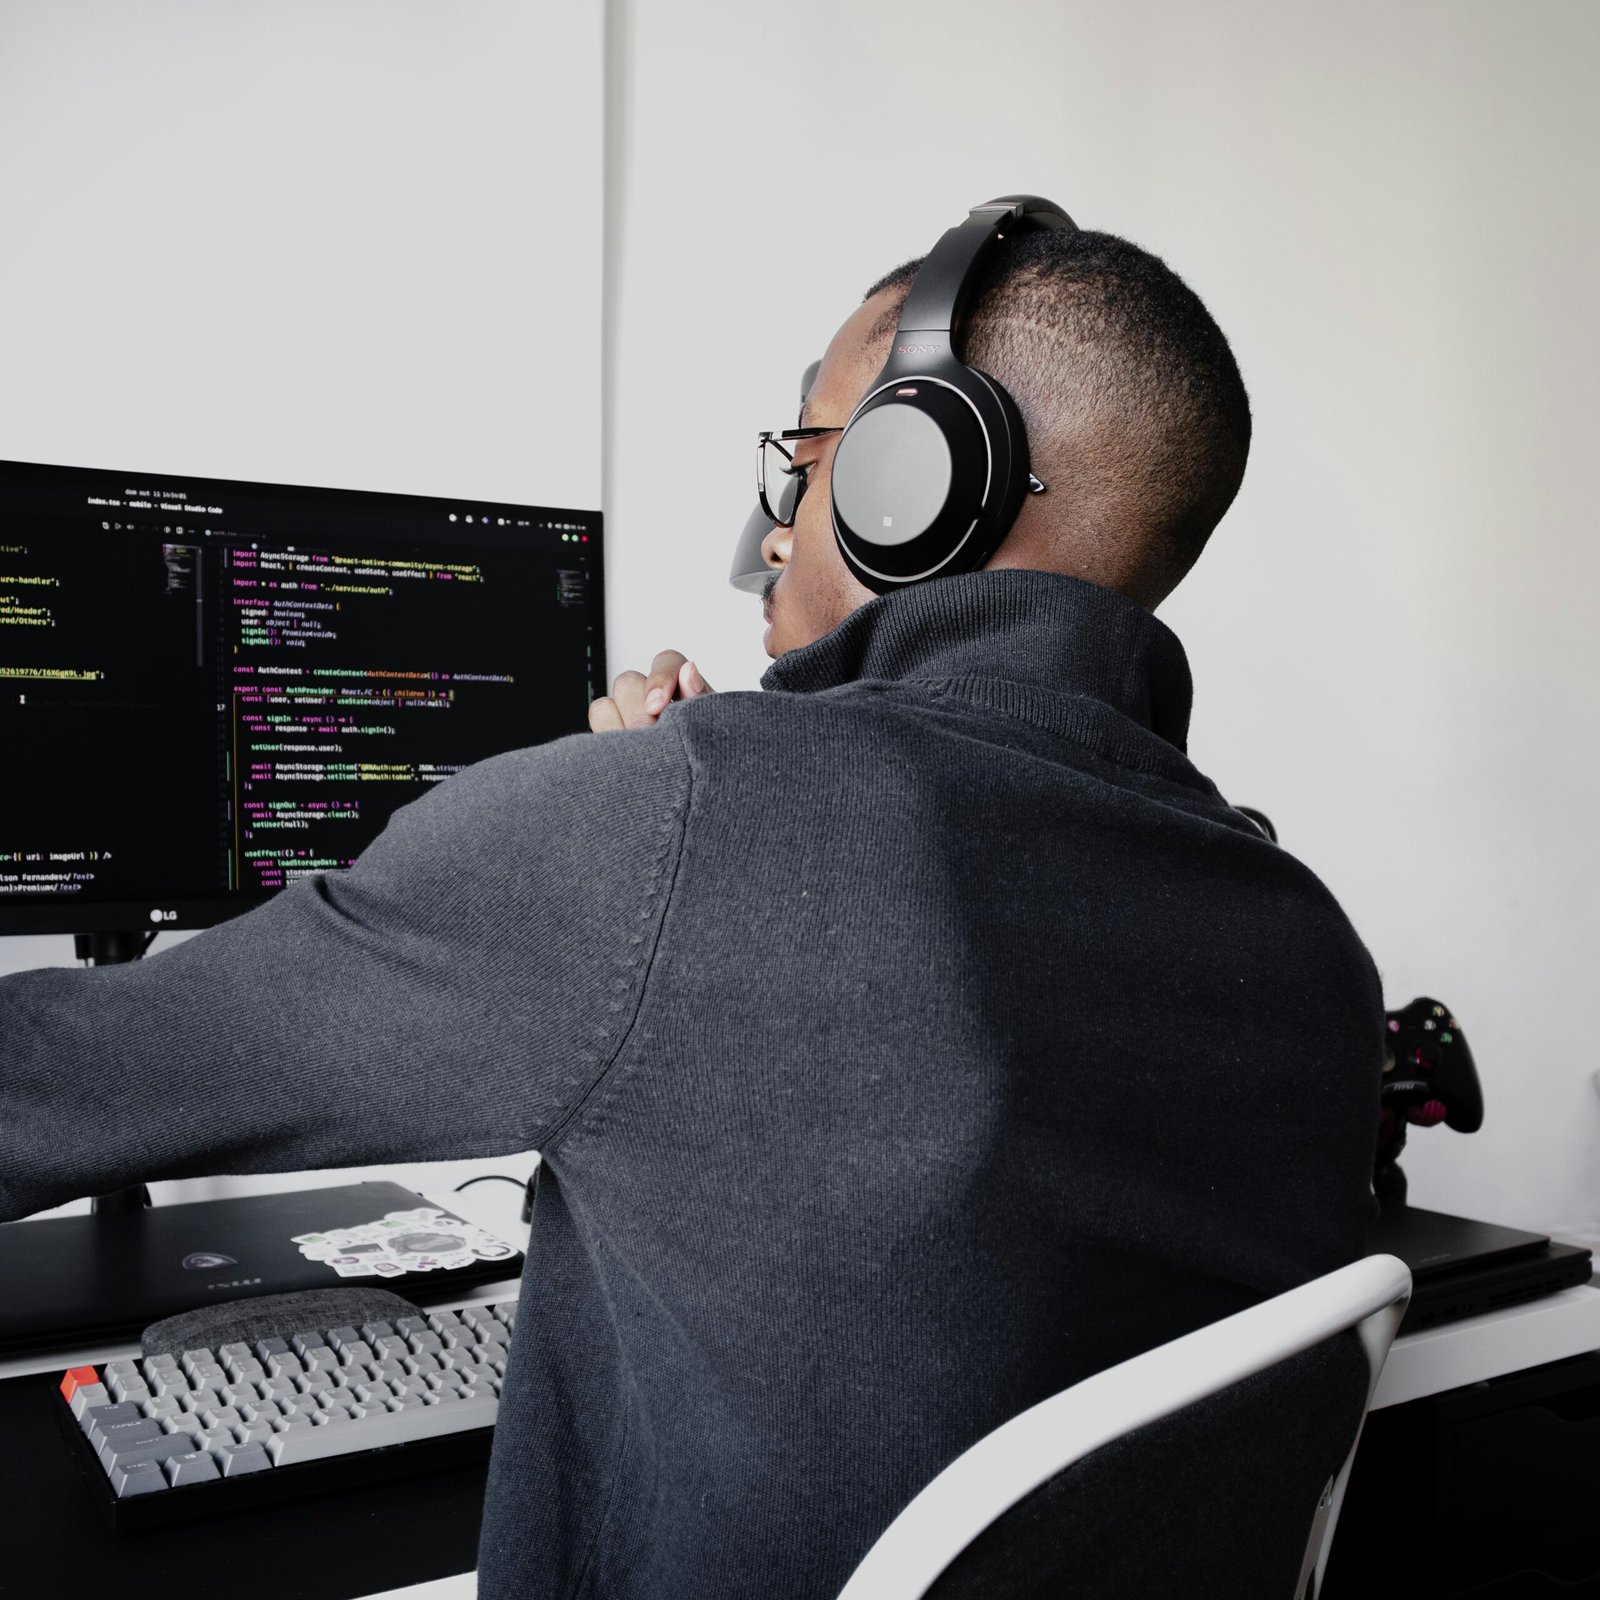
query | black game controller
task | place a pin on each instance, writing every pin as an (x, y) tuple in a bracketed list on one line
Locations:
[(1428, 1077)]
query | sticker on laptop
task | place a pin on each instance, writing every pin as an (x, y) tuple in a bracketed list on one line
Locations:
[(423, 1240)]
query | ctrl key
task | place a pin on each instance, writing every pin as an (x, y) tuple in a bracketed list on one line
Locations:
[(138, 1477)]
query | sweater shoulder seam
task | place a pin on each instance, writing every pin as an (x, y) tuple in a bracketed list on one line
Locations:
[(671, 860)]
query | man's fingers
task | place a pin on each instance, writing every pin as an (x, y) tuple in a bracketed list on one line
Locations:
[(636, 701), (662, 683), (690, 683), (628, 689), (604, 716)]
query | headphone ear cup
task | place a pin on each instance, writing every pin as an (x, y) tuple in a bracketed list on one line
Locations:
[(908, 479)]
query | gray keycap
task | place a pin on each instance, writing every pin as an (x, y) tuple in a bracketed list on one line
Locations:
[(425, 1343), (196, 1467), (390, 1347), (285, 1365), (89, 1396), (235, 1460), (261, 1411), (165, 1359), (168, 1380), (164, 1405), (151, 1450), (138, 1477), (307, 1340), (271, 1347), (374, 1390), (440, 1320), (426, 1362), (119, 1369), (239, 1350), (476, 1316), (213, 1414), (126, 1388), (97, 1419), (389, 1371), (372, 1332), (126, 1435), (360, 1351), (406, 1326), (339, 1395), (406, 1402), (289, 1423), (341, 1336), (276, 1389), (416, 1421), (253, 1432), (198, 1357)]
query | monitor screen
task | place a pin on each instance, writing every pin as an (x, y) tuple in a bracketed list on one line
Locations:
[(209, 689)]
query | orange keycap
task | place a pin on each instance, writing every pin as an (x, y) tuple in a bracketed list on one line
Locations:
[(77, 1378)]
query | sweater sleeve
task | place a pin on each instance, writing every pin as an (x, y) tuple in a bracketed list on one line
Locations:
[(455, 993)]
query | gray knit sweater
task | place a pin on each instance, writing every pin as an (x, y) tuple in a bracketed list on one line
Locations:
[(904, 1043)]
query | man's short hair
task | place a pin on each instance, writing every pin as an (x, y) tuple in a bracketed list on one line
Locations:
[(1129, 390)]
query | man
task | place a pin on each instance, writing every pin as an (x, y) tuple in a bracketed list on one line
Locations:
[(904, 1043)]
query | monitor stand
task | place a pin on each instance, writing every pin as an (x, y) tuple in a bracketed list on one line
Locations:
[(78, 1280)]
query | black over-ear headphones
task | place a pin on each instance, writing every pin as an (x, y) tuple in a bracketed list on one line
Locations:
[(933, 464)]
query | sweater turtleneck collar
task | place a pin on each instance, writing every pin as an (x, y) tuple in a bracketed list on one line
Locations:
[(1041, 631)]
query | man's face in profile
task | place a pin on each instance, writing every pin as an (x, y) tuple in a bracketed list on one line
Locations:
[(812, 590)]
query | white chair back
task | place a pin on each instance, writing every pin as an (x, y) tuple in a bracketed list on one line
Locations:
[(1369, 1296)]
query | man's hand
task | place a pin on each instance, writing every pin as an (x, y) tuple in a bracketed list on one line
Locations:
[(636, 701)]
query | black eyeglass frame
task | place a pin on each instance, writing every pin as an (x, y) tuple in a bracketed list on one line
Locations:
[(778, 439)]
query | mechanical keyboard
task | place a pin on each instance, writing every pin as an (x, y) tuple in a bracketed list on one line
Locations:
[(167, 1437)]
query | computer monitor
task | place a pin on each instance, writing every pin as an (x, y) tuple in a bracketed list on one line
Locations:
[(209, 689)]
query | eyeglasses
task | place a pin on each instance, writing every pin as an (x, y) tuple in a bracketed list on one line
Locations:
[(779, 482)]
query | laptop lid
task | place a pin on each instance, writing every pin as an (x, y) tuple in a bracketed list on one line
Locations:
[(1433, 1242), (108, 1276)]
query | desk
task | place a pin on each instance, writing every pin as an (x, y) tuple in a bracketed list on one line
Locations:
[(1419, 1365)]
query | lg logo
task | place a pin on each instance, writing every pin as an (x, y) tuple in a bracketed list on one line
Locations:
[(163, 916)]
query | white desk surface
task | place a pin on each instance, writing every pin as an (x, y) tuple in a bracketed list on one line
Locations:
[(1560, 1325)]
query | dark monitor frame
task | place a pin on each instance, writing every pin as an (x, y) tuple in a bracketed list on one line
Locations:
[(137, 917)]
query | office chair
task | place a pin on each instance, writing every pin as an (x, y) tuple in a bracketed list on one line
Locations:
[(1212, 1465)]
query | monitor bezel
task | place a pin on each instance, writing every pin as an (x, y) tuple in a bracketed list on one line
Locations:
[(20, 919)]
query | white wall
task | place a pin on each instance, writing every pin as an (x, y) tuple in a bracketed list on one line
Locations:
[(1392, 211)]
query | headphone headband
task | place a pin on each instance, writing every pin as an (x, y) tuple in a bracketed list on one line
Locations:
[(944, 280)]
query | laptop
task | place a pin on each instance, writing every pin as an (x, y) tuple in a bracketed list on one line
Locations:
[(81, 1280), (1462, 1268)]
